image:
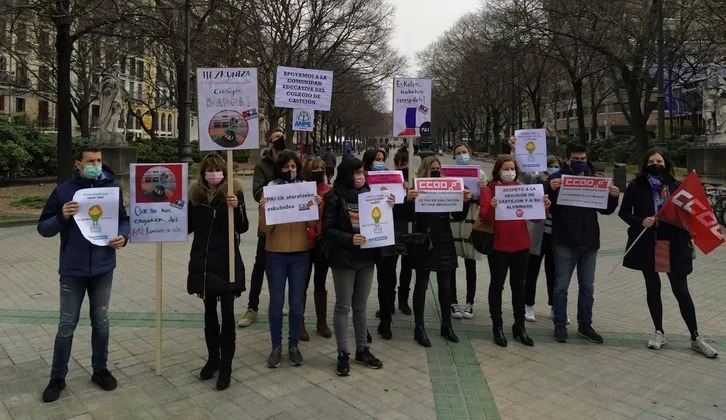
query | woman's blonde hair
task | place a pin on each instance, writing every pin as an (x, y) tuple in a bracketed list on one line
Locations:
[(425, 169), (213, 162), (307, 171)]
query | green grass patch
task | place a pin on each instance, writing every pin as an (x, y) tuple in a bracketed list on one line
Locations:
[(14, 217), (32, 202)]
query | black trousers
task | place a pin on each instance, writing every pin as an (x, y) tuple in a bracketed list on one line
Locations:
[(211, 319), (679, 285), (470, 267), (329, 172), (419, 295), (404, 278), (499, 264), (535, 262), (386, 270), (258, 274), (319, 262)]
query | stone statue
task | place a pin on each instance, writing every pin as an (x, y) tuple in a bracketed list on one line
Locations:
[(714, 101), (264, 127), (550, 122), (111, 100)]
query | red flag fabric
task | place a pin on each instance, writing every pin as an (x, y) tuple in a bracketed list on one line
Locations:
[(688, 208)]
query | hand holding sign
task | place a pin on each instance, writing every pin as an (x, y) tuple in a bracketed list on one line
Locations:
[(70, 209)]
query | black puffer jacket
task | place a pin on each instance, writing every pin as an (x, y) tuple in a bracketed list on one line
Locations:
[(209, 256), (338, 234), (576, 226), (637, 205), (442, 257), (401, 217)]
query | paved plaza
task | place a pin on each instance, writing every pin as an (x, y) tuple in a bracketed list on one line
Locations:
[(473, 379)]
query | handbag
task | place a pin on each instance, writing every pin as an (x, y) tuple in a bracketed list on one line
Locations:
[(416, 243), (482, 236)]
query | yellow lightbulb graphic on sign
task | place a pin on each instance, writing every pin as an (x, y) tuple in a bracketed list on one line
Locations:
[(376, 214), (530, 146), (95, 213)]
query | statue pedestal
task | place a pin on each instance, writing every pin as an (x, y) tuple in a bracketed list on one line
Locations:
[(708, 160), (118, 158)]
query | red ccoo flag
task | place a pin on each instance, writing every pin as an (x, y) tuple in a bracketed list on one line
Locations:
[(688, 208)]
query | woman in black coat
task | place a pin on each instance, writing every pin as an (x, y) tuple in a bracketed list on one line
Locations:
[(209, 261), (662, 248), (441, 258)]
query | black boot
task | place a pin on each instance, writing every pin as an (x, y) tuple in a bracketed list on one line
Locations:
[(384, 329), (499, 337), (403, 301), (227, 347), (211, 337), (448, 333), (518, 331), (419, 334)]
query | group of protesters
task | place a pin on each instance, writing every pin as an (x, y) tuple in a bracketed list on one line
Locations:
[(290, 254)]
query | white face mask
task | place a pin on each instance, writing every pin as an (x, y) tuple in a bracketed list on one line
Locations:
[(508, 176)]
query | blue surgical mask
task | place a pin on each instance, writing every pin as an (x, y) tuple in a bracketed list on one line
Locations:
[(578, 166), (462, 159), (553, 170), (92, 171), (379, 166)]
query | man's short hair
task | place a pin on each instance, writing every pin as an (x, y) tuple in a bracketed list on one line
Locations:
[(80, 150), (575, 148)]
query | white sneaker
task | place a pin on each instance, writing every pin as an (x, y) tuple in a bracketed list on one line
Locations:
[(657, 340), (468, 311), (284, 311), (552, 315), (249, 317), (701, 345), (456, 312), (529, 313)]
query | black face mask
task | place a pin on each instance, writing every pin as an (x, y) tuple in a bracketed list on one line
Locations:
[(287, 176), (405, 174), (318, 176), (435, 174), (279, 144), (656, 170)]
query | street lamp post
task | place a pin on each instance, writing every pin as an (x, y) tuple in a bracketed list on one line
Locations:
[(661, 94), (186, 153)]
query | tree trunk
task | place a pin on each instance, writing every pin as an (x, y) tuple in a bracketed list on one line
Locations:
[(181, 125), (497, 128), (593, 117), (83, 122), (487, 134), (637, 120), (580, 111), (64, 50), (536, 101)]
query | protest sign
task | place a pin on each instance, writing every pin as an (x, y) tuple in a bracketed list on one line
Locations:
[(389, 181), (411, 107), (519, 202), (97, 216), (288, 203), (439, 195), (469, 173), (531, 149), (584, 191), (376, 219), (303, 88), (159, 202), (227, 103), (303, 120)]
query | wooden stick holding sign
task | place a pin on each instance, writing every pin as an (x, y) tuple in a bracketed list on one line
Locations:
[(159, 274), (230, 213)]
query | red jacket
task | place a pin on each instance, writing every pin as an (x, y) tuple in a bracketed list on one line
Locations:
[(323, 188), (509, 235)]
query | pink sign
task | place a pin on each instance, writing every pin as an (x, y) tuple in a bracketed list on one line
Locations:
[(385, 177), (460, 171)]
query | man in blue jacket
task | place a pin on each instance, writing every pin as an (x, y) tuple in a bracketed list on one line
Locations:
[(83, 267), (575, 242)]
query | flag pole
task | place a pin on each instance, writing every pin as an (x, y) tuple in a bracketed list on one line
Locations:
[(629, 249)]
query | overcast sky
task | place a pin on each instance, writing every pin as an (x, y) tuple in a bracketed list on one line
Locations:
[(420, 22)]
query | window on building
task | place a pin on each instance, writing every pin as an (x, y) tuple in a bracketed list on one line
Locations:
[(140, 69), (139, 91), (43, 113), (21, 36), (2, 103), (123, 66), (155, 123), (138, 119), (3, 32), (132, 67), (22, 77), (130, 120), (95, 115), (44, 78), (132, 89), (19, 104), (169, 124)]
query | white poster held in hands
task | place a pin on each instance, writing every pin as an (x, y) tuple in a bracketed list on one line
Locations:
[(389, 181), (97, 216), (376, 219), (584, 191), (531, 150), (439, 195), (227, 103), (159, 202), (470, 173), (519, 202), (289, 203), (411, 107), (303, 88)]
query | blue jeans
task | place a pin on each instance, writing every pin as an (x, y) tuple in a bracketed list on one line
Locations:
[(72, 292), (279, 268), (566, 259)]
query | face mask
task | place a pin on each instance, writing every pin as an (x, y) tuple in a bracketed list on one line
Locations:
[(288, 176), (213, 178), (92, 171), (578, 166), (656, 170), (359, 180), (379, 166), (462, 159), (508, 176), (553, 170), (405, 174), (318, 176), (279, 144), (435, 174)]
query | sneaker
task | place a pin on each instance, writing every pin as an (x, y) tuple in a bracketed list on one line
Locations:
[(468, 311), (105, 380), (560, 333), (273, 360), (53, 390), (456, 312), (657, 340), (249, 317), (343, 367), (366, 358), (296, 358), (529, 313), (552, 315), (702, 346), (589, 333)]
